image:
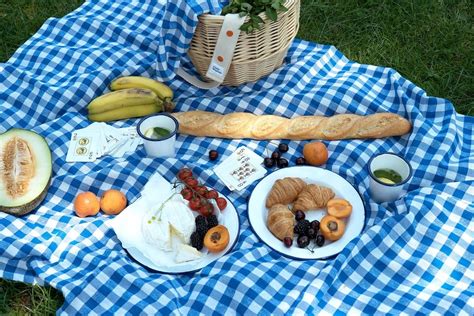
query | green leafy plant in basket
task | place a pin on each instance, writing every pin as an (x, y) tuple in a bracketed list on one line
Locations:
[(252, 9)]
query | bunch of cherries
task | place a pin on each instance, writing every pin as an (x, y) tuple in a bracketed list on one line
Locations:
[(277, 160), (198, 195)]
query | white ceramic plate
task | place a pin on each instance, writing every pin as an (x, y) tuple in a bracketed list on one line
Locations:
[(229, 218), (258, 212), (127, 226)]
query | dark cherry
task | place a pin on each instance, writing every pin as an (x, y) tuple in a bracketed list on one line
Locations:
[(283, 148), (282, 163), (276, 155), (213, 155), (315, 225), (320, 240), (288, 241), (302, 241), (268, 162), (299, 215), (300, 161), (312, 233)]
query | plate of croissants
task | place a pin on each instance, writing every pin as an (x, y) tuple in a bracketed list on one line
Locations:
[(306, 212)]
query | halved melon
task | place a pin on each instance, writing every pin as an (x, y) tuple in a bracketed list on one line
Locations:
[(25, 171)]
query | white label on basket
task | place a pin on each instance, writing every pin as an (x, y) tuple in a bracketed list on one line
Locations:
[(225, 46), (216, 69)]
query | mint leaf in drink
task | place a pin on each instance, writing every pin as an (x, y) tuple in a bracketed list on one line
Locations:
[(157, 132), (161, 132)]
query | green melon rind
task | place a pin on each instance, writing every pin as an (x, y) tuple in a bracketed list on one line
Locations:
[(34, 203), (29, 207)]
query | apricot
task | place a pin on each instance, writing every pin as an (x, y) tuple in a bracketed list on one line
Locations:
[(332, 227), (217, 238), (339, 208), (315, 153), (86, 204), (113, 202)]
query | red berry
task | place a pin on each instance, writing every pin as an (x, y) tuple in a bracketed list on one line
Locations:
[(221, 203), (191, 182), (213, 155), (212, 194), (283, 148), (206, 210), (299, 215), (201, 190), (300, 161), (195, 203), (282, 163), (184, 174), (288, 241), (268, 162), (187, 194)]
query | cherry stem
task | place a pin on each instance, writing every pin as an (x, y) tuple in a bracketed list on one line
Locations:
[(195, 193)]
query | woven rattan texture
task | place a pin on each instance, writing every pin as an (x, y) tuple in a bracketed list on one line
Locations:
[(256, 55)]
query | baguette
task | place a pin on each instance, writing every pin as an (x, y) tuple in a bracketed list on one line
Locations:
[(248, 125)]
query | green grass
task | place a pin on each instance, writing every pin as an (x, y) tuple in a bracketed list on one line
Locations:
[(429, 42), (18, 298)]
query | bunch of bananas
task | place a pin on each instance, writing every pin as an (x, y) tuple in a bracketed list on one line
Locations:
[(131, 96)]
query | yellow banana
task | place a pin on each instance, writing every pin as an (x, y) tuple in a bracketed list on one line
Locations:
[(162, 90), (122, 98), (126, 112)]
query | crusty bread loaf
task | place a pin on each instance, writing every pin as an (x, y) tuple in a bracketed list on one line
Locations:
[(248, 125)]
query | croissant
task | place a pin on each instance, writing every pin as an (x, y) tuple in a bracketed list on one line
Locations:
[(284, 191), (248, 125), (312, 197), (280, 221)]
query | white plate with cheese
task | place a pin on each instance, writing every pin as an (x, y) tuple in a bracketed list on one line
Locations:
[(162, 244)]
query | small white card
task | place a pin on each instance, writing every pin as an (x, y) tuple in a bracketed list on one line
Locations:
[(240, 169), (83, 147), (99, 139)]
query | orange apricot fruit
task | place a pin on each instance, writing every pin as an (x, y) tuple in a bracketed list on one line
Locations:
[(113, 202), (315, 153), (86, 204), (332, 227), (339, 208), (217, 238)]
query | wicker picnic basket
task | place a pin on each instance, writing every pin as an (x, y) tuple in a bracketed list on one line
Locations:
[(256, 55)]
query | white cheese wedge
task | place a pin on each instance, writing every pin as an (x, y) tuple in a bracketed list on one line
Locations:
[(157, 233), (185, 253), (173, 224), (180, 218)]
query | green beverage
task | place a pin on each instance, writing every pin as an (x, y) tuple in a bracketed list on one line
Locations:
[(157, 132), (388, 176)]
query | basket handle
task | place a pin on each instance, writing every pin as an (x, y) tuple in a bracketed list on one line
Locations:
[(222, 56)]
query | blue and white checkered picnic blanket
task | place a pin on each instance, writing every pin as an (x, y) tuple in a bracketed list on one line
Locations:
[(415, 255)]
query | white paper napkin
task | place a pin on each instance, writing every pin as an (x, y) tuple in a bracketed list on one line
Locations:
[(128, 224)]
